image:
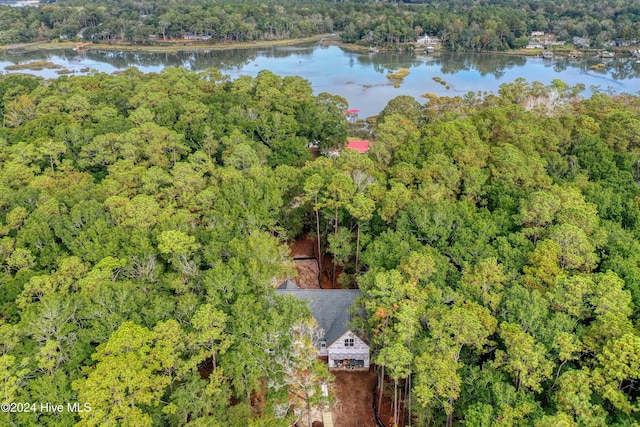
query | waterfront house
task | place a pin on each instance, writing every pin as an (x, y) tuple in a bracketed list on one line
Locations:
[(429, 40)]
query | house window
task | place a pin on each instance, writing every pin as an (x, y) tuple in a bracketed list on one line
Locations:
[(348, 342)]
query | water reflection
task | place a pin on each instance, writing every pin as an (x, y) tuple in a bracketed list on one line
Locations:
[(382, 62), (623, 69), (359, 77), (493, 64)]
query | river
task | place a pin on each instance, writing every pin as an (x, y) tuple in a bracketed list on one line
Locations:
[(360, 77)]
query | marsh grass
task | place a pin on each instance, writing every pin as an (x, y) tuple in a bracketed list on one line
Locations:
[(33, 66), (399, 75), (440, 80)]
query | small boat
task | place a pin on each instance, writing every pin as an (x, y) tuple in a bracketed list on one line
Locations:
[(547, 55)]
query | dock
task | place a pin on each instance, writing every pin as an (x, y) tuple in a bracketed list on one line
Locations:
[(83, 47)]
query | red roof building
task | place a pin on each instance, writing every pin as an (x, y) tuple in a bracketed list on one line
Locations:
[(361, 146)]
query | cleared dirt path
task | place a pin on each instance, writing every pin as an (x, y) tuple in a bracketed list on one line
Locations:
[(354, 394)]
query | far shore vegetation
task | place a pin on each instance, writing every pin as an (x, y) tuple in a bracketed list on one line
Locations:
[(169, 46), (165, 25)]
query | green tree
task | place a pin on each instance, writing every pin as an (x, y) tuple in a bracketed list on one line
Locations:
[(575, 397), (484, 283), (361, 208), (619, 363), (209, 336), (524, 359), (312, 187), (128, 378), (464, 325), (179, 247)]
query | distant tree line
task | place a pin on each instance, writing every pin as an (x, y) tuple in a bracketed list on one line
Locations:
[(468, 25)]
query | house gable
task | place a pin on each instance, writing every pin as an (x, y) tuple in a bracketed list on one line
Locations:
[(349, 351), (348, 341), (288, 285)]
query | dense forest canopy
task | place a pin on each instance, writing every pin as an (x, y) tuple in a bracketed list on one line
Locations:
[(463, 24), (144, 217)]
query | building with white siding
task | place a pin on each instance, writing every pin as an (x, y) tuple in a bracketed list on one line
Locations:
[(332, 309)]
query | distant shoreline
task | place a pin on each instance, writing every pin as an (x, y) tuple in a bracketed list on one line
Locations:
[(168, 46), (332, 39)]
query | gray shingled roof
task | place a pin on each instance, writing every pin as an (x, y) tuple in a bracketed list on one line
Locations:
[(330, 308), (289, 285)]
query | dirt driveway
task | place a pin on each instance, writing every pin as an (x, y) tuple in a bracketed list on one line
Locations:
[(354, 393)]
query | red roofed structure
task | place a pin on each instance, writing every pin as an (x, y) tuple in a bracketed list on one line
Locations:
[(361, 146)]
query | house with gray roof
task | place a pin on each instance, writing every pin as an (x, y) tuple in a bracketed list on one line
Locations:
[(332, 310)]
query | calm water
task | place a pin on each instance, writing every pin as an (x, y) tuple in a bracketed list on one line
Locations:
[(359, 77)]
